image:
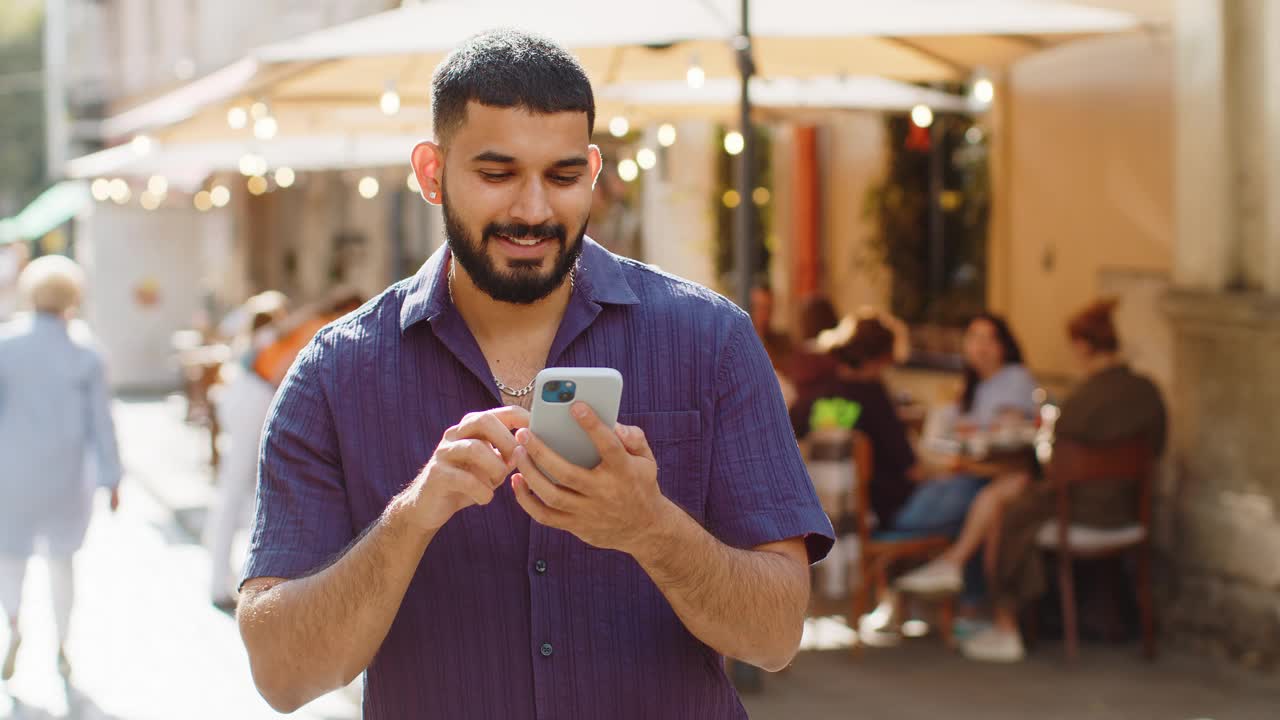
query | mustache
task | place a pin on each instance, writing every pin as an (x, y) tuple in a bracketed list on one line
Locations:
[(542, 231)]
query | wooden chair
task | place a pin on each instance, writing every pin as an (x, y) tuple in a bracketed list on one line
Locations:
[(880, 550), (1074, 464)]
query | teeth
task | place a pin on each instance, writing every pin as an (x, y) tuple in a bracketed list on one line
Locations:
[(527, 242)]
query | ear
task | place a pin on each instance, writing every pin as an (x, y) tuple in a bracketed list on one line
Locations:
[(428, 165), (595, 162)]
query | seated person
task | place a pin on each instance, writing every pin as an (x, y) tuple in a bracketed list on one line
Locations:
[(1111, 404)]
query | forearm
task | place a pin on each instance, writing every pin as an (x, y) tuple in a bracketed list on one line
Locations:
[(745, 604), (311, 635)]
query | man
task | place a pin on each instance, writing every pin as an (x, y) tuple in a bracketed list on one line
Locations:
[(388, 538)]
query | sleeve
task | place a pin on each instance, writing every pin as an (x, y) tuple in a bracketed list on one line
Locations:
[(302, 521), (759, 490), (102, 429), (1012, 389)]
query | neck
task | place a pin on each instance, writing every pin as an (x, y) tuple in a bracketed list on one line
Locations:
[(489, 318), (1100, 362)]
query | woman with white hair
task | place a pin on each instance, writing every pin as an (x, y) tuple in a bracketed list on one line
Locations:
[(54, 415)]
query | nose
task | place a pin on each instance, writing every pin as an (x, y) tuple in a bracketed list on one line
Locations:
[(532, 205)]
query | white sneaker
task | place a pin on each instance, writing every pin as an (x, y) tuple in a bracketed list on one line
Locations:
[(994, 645), (936, 577), (11, 657)]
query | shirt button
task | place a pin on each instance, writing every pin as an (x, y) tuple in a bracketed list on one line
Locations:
[(540, 566), (547, 649)]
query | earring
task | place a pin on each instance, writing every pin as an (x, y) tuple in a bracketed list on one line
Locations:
[(432, 196)]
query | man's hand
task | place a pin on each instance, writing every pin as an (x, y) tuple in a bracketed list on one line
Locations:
[(471, 461), (612, 506)]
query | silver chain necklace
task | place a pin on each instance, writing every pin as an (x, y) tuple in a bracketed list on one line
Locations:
[(503, 387)]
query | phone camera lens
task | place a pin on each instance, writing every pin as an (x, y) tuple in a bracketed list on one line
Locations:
[(566, 396), (553, 386)]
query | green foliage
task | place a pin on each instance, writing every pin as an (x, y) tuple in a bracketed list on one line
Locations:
[(22, 147)]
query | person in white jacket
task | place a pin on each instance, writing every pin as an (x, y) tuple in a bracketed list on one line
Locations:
[(55, 425)]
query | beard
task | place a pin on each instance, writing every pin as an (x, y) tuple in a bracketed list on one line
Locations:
[(522, 284)]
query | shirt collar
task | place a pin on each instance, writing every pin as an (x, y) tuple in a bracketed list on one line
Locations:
[(599, 279)]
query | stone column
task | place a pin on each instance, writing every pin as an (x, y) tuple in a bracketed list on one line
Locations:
[(1205, 243)]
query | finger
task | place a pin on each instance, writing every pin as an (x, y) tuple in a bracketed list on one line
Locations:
[(634, 440), (602, 436), (492, 427), (556, 497), (467, 485), (550, 461), (535, 507), (478, 457)]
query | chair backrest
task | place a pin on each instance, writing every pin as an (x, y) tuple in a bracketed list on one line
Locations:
[(864, 461), (1077, 463)]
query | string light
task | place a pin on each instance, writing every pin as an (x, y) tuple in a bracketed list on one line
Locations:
[(203, 201), (412, 183), (266, 128), (257, 185), (922, 116), (619, 127), (158, 185), (731, 199), (368, 187), (149, 200), (667, 135), (695, 76), (141, 144), (120, 192), (984, 91), (259, 110), (101, 189), (220, 195), (390, 100), (285, 177), (628, 170), (237, 118), (646, 159), (734, 142), (760, 196)]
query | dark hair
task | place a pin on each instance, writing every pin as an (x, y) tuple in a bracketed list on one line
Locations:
[(1010, 350), (871, 340), (1094, 326), (816, 314), (507, 69)]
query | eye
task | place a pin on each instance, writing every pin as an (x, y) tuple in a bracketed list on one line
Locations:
[(494, 176), (565, 179)]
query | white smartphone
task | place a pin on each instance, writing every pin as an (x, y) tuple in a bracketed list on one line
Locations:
[(555, 390)]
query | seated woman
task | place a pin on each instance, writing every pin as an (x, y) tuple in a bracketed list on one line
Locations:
[(1111, 404)]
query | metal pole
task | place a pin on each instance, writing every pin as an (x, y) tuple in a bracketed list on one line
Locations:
[(744, 245), (57, 129)]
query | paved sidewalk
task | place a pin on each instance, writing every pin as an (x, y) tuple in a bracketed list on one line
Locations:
[(919, 680)]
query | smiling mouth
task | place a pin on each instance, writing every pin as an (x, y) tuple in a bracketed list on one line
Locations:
[(523, 241)]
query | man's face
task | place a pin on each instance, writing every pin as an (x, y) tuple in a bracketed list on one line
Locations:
[(516, 192)]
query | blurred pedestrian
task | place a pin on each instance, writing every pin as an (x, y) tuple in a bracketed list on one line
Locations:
[(54, 416), (242, 407), (276, 342)]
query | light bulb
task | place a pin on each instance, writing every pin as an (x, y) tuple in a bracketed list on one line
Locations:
[(696, 76), (368, 187), (619, 127), (101, 189), (389, 102), (285, 177), (158, 185), (646, 159), (237, 118), (257, 185), (220, 195), (984, 91), (141, 144), (266, 128), (734, 142), (628, 170), (922, 116), (667, 135), (203, 201)]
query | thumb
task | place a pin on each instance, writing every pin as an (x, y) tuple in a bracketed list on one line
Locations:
[(633, 440)]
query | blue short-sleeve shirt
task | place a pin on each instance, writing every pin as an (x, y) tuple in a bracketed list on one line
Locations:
[(506, 618)]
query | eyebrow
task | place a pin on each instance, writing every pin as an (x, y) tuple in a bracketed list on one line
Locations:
[(497, 157)]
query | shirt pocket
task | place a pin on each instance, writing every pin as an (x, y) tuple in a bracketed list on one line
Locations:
[(676, 441)]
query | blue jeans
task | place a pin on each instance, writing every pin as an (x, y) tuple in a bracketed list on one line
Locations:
[(940, 507)]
